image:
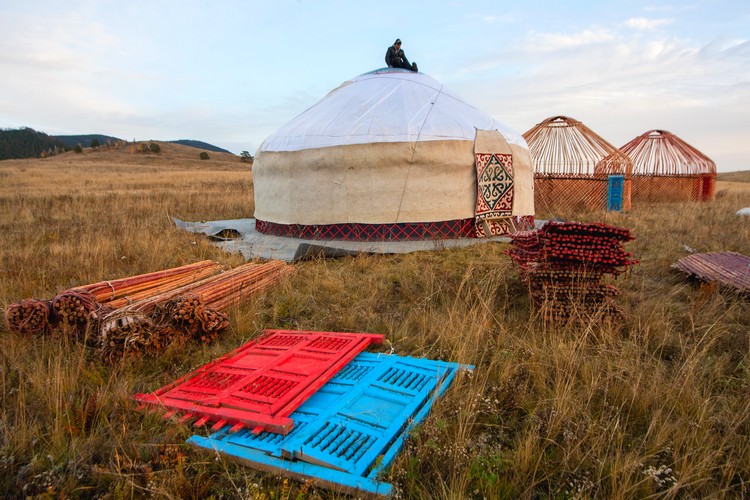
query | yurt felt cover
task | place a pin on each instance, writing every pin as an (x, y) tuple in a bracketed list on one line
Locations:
[(387, 147), (387, 105)]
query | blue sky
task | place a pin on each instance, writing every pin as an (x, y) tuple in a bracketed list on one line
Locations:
[(231, 72)]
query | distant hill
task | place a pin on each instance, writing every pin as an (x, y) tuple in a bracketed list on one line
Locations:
[(85, 140), (27, 143), (741, 176), (201, 145)]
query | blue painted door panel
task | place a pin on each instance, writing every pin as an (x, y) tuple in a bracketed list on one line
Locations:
[(615, 189), (354, 425)]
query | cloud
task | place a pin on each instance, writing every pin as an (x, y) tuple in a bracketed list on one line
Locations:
[(646, 24), (549, 42), (621, 84)]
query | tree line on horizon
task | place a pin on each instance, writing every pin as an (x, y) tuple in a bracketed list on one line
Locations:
[(26, 142)]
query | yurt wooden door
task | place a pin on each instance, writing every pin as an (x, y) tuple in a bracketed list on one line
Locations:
[(706, 191), (615, 190)]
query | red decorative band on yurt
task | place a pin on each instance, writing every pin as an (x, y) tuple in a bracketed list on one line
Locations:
[(400, 231)]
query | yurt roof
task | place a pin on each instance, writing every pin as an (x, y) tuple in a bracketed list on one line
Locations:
[(386, 105), (564, 146), (659, 152)]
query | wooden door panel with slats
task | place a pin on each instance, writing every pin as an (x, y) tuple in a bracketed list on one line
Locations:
[(260, 384)]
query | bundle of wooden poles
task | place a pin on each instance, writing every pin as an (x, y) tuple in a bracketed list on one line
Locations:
[(146, 313), (195, 311), (564, 265)]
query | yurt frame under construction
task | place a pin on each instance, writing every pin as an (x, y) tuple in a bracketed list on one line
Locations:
[(575, 169), (667, 169)]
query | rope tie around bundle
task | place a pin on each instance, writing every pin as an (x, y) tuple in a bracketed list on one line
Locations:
[(74, 308), (31, 317)]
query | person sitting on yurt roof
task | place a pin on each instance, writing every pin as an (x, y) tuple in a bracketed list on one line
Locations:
[(395, 57)]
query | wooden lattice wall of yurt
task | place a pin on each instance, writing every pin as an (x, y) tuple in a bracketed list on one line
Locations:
[(667, 169), (553, 194), (573, 167), (673, 188)]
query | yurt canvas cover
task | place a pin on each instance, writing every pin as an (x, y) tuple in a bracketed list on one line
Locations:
[(575, 169), (390, 155), (666, 168)]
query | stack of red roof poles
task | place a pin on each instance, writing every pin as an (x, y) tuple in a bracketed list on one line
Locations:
[(564, 264)]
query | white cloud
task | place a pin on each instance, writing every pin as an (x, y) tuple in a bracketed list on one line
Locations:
[(646, 24), (622, 86), (548, 42)]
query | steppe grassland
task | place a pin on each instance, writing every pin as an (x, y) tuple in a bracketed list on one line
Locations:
[(656, 404)]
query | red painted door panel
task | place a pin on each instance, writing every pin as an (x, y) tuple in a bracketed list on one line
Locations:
[(261, 383)]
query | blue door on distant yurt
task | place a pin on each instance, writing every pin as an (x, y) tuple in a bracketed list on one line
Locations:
[(614, 192)]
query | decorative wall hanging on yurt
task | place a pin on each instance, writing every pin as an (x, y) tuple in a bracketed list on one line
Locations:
[(575, 169), (390, 156), (666, 168)]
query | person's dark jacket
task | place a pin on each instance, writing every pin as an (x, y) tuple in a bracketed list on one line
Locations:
[(395, 58)]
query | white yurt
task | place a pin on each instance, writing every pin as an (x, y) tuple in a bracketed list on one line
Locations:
[(393, 155)]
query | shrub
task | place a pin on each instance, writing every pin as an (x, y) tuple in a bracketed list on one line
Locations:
[(94, 143), (155, 148), (204, 155), (78, 148)]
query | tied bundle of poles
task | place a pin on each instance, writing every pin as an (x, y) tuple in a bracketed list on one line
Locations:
[(148, 312), (74, 309), (564, 265), (192, 312)]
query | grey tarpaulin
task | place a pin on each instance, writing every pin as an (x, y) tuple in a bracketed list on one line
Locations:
[(239, 235)]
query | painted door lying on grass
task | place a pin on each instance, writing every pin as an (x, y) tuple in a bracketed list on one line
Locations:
[(260, 384), (352, 428), (615, 190)]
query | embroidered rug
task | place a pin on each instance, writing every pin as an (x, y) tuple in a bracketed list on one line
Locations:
[(494, 167)]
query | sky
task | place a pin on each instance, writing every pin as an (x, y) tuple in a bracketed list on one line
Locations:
[(232, 72)]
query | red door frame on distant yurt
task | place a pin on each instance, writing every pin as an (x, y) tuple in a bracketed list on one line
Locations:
[(573, 166), (708, 191), (668, 169)]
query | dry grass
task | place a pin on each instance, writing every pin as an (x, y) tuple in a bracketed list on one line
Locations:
[(656, 406)]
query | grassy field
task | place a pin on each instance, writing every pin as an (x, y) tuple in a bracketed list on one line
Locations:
[(656, 405)]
